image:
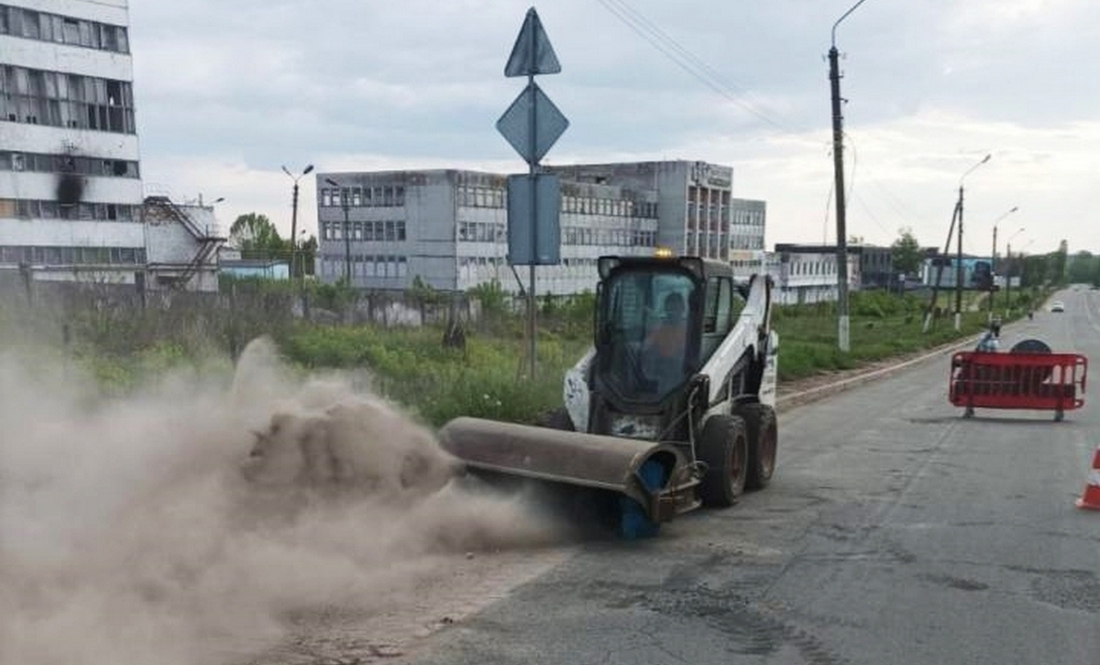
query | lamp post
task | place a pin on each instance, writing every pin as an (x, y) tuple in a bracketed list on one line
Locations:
[(993, 259), (838, 171), (959, 249), (347, 230), (294, 219), (1008, 273)]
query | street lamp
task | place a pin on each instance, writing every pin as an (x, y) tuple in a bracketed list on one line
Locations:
[(959, 251), (1008, 269), (838, 171), (993, 259), (347, 231), (294, 218)]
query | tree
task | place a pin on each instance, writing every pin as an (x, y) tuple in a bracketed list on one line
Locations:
[(1082, 268), (1058, 264), (907, 253), (257, 238), (307, 255)]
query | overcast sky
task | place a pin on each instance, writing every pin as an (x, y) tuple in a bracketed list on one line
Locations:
[(228, 92)]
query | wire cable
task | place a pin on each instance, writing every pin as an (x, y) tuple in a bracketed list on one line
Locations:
[(689, 62)]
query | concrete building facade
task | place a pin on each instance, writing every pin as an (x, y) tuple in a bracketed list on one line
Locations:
[(70, 177), (72, 206), (808, 273), (747, 225), (693, 199), (449, 228)]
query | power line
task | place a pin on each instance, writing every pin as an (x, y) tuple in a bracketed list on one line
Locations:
[(689, 62)]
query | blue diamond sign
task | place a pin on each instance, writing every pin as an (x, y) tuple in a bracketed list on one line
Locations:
[(532, 124)]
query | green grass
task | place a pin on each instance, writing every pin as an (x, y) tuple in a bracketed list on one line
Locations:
[(808, 345), (487, 378)]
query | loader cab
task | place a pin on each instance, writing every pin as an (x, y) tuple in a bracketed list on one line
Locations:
[(657, 322)]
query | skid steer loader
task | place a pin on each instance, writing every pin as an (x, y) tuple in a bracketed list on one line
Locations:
[(671, 409)]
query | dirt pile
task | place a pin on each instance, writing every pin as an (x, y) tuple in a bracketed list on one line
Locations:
[(186, 524)]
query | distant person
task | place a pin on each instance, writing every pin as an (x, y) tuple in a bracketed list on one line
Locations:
[(990, 341)]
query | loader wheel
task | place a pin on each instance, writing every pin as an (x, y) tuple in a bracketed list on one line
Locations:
[(762, 432), (724, 448)]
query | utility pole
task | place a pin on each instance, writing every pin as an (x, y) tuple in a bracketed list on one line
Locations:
[(838, 170), (959, 252), (347, 230), (1008, 271), (993, 260), (959, 267), (347, 237), (992, 272), (939, 271), (294, 221)]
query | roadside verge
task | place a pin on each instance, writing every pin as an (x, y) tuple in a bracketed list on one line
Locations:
[(861, 377)]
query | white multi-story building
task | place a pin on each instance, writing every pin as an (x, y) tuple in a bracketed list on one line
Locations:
[(747, 225), (693, 200), (71, 201), (808, 274), (450, 227), (70, 181)]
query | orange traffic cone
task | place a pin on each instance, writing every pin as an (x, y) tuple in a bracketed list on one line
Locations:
[(1091, 498)]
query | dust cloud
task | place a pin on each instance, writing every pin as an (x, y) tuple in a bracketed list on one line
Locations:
[(184, 525)]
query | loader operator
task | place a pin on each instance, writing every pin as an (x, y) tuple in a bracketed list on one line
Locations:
[(665, 344)]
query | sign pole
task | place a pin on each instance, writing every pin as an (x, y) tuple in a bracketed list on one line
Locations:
[(532, 302), (532, 124)]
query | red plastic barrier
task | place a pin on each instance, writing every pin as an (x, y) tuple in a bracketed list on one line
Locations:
[(1041, 381)]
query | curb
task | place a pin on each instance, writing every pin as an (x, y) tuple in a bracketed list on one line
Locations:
[(788, 402)]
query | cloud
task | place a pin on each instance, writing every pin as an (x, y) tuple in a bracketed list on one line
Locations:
[(228, 93)]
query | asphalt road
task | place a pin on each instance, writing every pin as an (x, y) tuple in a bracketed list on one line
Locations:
[(893, 532)]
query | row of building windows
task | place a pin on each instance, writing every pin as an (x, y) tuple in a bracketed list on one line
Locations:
[(483, 197), (581, 235), (58, 99), (387, 231), (32, 209), (55, 163), (480, 197), (609, 207), (704, 194), (502, 262), (748, 217), (698, 222), (20, 22), (812, 268), (364, 197), (334, 265), (481, 232), (571, 235), (71, 256), (746, 242)]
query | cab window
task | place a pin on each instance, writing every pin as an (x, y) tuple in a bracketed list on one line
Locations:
[(722, 307)]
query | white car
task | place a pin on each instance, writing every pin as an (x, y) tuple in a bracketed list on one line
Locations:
[(1057, 306)]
